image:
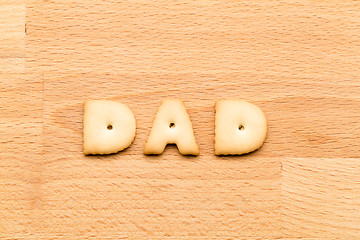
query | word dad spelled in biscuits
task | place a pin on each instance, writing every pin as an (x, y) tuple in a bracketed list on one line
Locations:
[(109, 127)]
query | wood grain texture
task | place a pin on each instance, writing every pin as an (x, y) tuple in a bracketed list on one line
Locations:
[(298, 60), (21, 137), (12, 36)]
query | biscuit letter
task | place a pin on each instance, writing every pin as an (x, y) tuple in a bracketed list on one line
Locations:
[(172, 125), (240, 127), (109, 127)]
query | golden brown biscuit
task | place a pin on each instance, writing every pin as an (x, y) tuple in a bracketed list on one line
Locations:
[(240, 127), (109, 127), (172, 125)]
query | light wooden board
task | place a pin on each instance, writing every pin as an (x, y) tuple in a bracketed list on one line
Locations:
[(298, 60), (12, 36)]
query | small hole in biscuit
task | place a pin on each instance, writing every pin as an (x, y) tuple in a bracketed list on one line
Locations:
[(109, 127), (172, 125), (241, 127)]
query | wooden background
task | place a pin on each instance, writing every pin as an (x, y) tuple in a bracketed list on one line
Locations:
[(298, 60)]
